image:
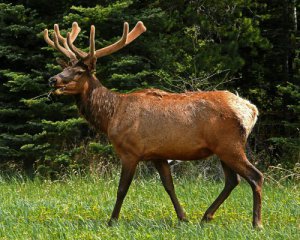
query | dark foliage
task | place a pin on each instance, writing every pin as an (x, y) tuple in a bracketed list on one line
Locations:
[(248, 47)]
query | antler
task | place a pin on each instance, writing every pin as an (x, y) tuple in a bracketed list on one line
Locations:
[(58, 37), (125, 39), (71, 51)]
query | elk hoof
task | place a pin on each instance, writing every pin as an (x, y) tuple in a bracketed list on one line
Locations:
[(183, 219), (207, 218), (112, 222), (258, 226)]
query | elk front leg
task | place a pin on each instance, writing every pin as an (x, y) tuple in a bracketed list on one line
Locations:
[(127, 173), (164, 171)]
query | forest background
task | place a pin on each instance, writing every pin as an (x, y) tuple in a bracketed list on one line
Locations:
[(248, 47)]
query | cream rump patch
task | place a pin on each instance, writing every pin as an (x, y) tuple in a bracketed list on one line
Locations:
[(245, 111)]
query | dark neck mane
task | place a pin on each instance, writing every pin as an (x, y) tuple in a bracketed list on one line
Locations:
[(97, 104)]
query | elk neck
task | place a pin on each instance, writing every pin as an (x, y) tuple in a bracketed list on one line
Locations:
[(97, 103)]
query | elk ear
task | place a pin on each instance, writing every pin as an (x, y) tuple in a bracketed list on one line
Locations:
[(90, 63), (62, 62)]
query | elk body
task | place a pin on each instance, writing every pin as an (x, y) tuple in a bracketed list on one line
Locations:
[(155, 125)]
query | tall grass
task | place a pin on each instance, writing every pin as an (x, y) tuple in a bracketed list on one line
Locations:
[(79, 208)]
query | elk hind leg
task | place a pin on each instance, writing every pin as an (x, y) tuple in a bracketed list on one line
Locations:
[(239, 163), (232, 179)]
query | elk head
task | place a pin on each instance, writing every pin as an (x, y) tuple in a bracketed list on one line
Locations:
[(82, 65)]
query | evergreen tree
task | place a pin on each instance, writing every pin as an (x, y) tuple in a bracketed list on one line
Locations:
[(251, 47), (28, 134), (278, 90)]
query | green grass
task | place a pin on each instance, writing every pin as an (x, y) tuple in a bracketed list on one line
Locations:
[(79, 208)]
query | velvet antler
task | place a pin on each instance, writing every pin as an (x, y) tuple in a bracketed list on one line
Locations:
[(72, 52)]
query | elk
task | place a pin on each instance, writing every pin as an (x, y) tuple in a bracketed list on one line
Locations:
[(155, 125)]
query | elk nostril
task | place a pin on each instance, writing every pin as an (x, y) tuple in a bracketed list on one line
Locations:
[(52, 81)]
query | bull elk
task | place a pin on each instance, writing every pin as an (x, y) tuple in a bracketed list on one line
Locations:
[(154, 125)]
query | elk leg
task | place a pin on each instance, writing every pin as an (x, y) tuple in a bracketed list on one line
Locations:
[(231, 181), (164, 171), (239, 163), (127, 173)]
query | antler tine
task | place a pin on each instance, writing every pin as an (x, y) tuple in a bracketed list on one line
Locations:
[(60, 37), (74, 49), (71, 38), (92, 41), (60, 48), (135, 32), (116, 46), (47, 39), (75, 31), (66, 48)]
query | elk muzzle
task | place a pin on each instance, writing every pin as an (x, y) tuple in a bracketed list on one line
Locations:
[(52, 81)]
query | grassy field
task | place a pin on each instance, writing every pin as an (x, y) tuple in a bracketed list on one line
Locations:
[(78, 208)]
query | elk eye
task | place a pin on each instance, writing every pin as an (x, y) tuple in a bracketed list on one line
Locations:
[(80, 71)]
